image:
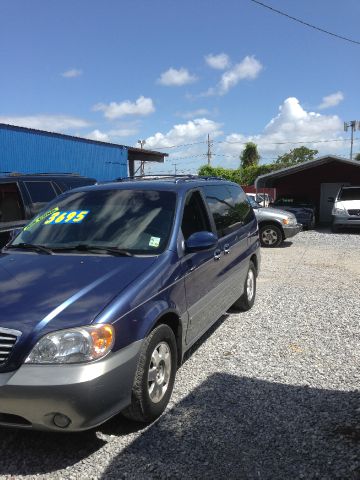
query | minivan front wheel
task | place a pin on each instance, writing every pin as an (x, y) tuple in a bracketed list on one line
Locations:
[(155, 376), (247, 299)]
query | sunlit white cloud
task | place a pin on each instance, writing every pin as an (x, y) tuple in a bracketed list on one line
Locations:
[(73, 73), (292, 124), (331, 100), (52, 123), (193, 130), (219, 62), (176, 78), (141, 107), (112, 135)]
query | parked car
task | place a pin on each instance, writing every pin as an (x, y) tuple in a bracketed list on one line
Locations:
[(105, 290), (303, 209), (274, 225), (346, 210), (23, 196)]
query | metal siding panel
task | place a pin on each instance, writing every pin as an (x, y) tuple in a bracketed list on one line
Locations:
[(29, 152)]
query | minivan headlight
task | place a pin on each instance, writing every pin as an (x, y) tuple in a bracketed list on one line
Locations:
[(339, 210), (75, 345)]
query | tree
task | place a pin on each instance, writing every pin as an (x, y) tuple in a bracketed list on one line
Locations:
[(250, 155), (357, 157), (295, 156)]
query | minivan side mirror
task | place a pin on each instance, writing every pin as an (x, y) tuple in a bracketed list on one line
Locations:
[(331, 199), (199, 241)]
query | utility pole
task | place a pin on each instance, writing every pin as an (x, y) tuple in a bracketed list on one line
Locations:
[(175, 165), (209, 154), (142, 163), (354, 125)]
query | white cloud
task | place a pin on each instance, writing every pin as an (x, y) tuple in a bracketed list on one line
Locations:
[(292, 124), (73, 73), (176, 78), (331, 100), (142, 106), (50, 123), (219, 62), (98, 135), (193, 130), (200, 112), (249, 68), (111, 135)]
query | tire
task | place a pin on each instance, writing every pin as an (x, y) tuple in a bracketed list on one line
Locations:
[(247, 299), (334, 228), (270, 236), (154, 377), (312, 223)]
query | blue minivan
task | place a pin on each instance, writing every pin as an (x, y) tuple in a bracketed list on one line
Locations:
[(106, 288)]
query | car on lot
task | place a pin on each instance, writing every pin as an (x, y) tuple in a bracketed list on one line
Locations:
[(274, 225), (106, 288), (303, 209), (23, 196), (346, 209)]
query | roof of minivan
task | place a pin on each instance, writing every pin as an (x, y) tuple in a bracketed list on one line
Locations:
[(166, 185)]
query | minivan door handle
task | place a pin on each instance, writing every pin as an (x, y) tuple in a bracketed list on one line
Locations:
[(217, 254)]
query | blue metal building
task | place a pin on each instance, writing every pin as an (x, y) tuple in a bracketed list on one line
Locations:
[(27, 150)]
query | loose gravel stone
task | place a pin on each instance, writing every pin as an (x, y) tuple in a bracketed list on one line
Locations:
[(272, 393)]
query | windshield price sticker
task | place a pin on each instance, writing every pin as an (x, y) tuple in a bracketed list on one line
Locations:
[(73, 216), (154, 242), (41, 218)]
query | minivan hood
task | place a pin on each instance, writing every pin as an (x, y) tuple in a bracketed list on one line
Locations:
[(41, 293), (348, 204)]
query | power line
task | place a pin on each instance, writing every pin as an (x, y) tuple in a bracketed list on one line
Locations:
[(305, 23)]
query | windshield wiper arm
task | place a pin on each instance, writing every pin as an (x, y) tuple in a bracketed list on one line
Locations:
[(30, 246), (83, 247)]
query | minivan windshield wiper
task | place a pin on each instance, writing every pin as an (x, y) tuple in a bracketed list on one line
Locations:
[(84, 247), (30, 246)]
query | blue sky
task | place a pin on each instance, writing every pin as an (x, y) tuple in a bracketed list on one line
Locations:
[(171, 72)]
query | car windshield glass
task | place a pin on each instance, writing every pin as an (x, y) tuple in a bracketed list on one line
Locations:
[(350, 194), (252, 202), (136, 221)]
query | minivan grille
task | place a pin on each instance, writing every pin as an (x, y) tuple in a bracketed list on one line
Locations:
[(7, 341), (354, 212)]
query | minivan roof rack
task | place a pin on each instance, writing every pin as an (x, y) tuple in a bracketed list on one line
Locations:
[(175, 178)]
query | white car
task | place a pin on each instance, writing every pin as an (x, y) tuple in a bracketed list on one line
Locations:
[(346, 209)]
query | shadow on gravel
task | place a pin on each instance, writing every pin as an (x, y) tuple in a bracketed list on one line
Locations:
[(27, 452), (243, 428)]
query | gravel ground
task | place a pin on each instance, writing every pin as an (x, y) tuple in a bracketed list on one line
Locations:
[(268, 394)]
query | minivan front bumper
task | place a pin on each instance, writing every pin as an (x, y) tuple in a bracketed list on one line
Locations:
[(85, 394)]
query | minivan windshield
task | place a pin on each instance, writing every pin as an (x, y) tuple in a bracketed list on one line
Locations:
[(127, 221), (350, 194)]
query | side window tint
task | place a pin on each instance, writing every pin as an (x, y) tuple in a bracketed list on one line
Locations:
[(40, 192), (10, 203), (229, 207), (195, 218)]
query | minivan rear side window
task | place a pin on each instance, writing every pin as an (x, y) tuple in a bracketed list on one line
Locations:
[(40, 192), (229, 206)]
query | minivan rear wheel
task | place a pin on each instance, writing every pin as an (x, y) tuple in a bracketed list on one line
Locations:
[(155, 376), (247, 299)]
